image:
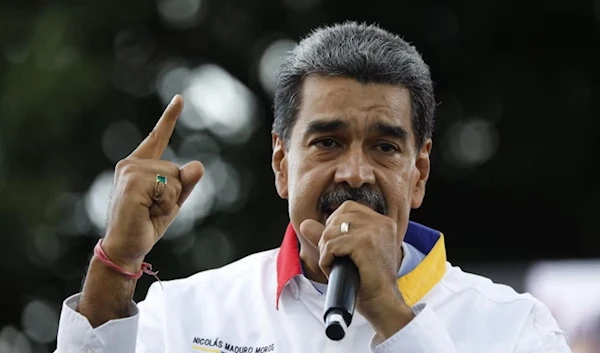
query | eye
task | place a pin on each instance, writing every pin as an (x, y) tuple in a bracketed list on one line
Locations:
[(388, 148), (325, 143)]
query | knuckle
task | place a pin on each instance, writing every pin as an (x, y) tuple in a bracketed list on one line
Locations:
[(123, 166), (153, 135), (347, 205), (334, 220), (328, 248), (169, 167), (326, 236), (168, 206), (178, 188), (369, 242), (389, 226), (322, 263), (175, 191), (129, 184), (174, 169), (324, 246)]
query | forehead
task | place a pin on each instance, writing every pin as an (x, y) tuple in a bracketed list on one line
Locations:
[(358, 103)]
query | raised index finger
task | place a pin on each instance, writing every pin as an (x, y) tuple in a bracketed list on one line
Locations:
[(154, 145)]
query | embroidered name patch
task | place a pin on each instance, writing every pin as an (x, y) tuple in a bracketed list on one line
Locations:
[(215, 345)]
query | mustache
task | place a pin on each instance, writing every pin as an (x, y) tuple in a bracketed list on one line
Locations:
[(364, 195)]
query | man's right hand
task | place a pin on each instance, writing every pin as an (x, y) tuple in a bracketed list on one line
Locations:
[(135, 220)]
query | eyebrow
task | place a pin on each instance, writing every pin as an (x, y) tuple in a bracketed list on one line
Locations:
[(329, 126), (322, 126), (393, 131)]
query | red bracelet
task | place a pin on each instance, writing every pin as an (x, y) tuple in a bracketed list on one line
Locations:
[(146, 267)]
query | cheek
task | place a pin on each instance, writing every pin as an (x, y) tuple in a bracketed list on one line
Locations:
[(397, 192), (305, 178), (305, 186), (304, 190), (303, 197)]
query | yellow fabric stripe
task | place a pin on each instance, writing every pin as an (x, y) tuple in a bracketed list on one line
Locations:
[(205, 349), (415, 284)]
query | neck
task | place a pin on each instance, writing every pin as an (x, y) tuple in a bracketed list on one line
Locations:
[(310, 267)]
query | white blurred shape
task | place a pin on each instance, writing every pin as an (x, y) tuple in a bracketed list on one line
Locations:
[(81, 220), (222, 103), (98, 199), (170, 155), (40, 321), (72, 208), (119, 140), (197, 206), (183, 245), (212, 249), (181, 14), (8, 336), (271, 61), (173, 79), (227, 183), (196, 144), (472, 143), (13, 341), (570, 288), (301, 5)]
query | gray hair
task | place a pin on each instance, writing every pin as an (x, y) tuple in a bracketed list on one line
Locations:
[(362, 52)]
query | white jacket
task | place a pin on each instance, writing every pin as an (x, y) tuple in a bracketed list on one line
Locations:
[(263, 303)]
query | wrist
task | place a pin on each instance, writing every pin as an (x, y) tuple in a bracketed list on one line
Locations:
[(390, 315), (129, 264)]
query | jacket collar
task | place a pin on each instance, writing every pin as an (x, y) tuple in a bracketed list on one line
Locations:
[(413, 285)]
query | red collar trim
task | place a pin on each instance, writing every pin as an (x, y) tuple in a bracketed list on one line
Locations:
[(288, 260)]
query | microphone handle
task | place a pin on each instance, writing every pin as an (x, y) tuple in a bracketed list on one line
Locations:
[(341, 297)]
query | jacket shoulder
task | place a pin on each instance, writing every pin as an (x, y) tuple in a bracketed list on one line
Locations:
[(254, 267), (460, 282)]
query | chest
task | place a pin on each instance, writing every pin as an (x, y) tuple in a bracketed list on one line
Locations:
[(251, 325), (295, 327)]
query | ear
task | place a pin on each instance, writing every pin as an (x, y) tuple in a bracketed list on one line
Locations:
[(280, 166), (421, 174)]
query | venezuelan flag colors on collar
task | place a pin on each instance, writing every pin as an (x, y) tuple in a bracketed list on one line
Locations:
[(413, 285)]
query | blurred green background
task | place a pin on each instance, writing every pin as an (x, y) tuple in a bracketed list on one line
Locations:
[(81, 83)]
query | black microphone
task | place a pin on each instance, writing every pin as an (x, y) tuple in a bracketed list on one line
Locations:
[(341, 297)]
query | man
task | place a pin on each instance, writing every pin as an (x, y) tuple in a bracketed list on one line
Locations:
[(351, 141)]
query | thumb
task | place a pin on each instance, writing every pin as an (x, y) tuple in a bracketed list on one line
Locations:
[(190, 174), (312, 230)]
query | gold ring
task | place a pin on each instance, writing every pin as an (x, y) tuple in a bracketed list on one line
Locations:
[(159, 188), (344, 227)]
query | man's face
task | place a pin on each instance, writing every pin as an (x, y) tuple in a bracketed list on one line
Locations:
[(351, 141)]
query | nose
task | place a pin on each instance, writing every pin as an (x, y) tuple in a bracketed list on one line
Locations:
[(354, 168)]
